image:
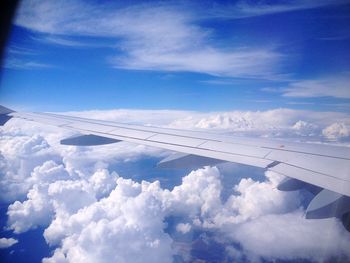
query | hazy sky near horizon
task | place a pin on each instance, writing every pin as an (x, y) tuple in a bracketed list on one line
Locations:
[(203, 55)]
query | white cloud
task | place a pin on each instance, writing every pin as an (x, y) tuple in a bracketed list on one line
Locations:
[(258, 199), (336, 131), (103, 182), (150, 36), (15, 63), (335, 86), (290, 237), (282, 123), (92, 214), (126, 226), (267, 223), (7, 242), (270, 224), (305, 128), (20, 154), (48, 172), (61, 41), (183, 228), (244, 9)]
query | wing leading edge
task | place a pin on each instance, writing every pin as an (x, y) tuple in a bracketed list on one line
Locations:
[(322, 166)]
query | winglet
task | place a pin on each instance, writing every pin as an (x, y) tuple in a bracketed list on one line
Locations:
[(4, 115)]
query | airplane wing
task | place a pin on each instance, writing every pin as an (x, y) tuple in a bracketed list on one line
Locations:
[(322, 169)]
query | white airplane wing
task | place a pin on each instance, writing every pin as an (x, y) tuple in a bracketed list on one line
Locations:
[(322, 169)]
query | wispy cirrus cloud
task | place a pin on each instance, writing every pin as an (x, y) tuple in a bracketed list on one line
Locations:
[(22, 58), (149, 37), (334, 86), (245, 9), (14, 63), (162, 36), (18, 50), (58, 40)]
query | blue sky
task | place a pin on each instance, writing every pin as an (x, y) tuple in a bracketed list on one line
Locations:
[(204, 55)]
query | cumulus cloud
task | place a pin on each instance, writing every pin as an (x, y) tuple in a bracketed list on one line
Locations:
[(135, 212), (336, 131), (126, 226), (283, 123), (19, 155), (36, 207), (7, 242), (90, 211), (312, 240)]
